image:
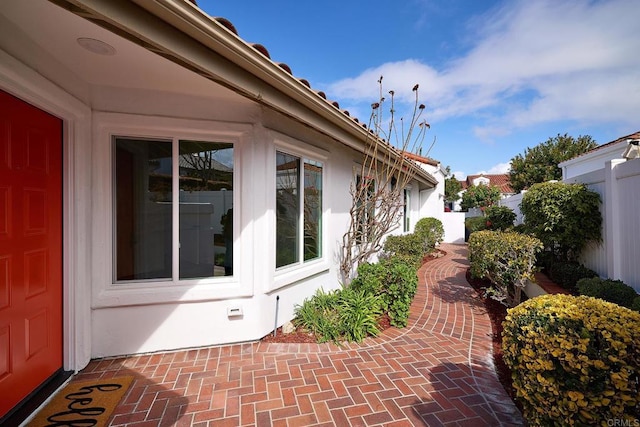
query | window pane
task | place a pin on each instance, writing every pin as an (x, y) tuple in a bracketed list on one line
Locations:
[(206, 209), (143, 209), (287, 209), (312, 210)]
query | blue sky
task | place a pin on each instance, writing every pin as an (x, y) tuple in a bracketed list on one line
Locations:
[(496, 76)]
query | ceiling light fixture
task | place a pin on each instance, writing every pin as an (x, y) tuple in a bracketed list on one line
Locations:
[(96, 46)]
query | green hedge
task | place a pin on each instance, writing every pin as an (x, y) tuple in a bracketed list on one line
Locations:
[(408, 247), (475, 223), (615, 291), (567, 274), (499, 218), (574, 360), (507, 259), (564, 216)]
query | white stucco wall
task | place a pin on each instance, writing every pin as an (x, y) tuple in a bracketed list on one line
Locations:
[(133, 318), (103, 318)]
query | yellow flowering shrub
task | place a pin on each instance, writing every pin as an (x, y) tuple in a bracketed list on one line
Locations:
[(574, 360)]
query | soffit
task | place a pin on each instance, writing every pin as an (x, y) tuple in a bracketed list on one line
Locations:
[(56, 31)]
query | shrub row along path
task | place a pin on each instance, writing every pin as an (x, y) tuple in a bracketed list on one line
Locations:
[(437, 371)]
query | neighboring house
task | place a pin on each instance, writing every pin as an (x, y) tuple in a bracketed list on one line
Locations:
[(162, 183), (617, 180), (492, 180)]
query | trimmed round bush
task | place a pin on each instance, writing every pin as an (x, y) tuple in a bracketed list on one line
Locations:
[(615, 291), (574, 360), (431, 231)]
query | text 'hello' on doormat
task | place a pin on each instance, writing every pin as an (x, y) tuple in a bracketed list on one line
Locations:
[(86, 403)]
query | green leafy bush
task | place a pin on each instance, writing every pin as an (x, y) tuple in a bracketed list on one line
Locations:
[(574, 360), (409, 247), (499, 218), (341, 315), (636, 304), (371, 278), (479, 196), (394, 281), (567, 274), (615, 291), (565, 217), (430, 231), (507, 259), (475, 223)]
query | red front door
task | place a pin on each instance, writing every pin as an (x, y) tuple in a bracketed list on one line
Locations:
[(30, 249)]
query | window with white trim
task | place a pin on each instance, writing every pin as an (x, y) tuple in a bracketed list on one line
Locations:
[(298, 209), (173, 209)]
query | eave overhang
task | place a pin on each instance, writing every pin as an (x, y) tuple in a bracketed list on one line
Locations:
[(181, 32)]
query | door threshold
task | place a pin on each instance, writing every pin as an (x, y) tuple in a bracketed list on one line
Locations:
[(30, 404)]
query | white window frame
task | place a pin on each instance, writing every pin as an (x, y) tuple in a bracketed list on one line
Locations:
[(300, 270), (109, 293)]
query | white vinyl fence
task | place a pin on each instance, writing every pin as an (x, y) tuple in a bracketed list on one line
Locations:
[(618, 256), (618, 184), (453, 224), (513, 203)]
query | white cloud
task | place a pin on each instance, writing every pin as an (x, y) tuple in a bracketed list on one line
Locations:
[(500, 168), (460, 175), (532, 62)]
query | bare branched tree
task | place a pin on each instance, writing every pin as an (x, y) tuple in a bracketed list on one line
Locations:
[(377, 201)]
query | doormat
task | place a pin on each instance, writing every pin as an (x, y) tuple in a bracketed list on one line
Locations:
[(86, 403)]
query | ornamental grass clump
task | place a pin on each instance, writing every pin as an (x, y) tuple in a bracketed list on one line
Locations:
[(341, 315), (574, 360)]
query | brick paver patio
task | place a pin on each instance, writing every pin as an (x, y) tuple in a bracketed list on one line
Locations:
[(437, 371)]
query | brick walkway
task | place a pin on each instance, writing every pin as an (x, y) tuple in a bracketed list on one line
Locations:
[(437, 371)]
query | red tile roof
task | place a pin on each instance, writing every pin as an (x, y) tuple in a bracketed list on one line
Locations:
[(498, 180), (421, 159), (263, 51)]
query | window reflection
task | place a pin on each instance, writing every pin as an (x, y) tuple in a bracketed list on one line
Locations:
[(143, 198), (144, 222), (206, 209)]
